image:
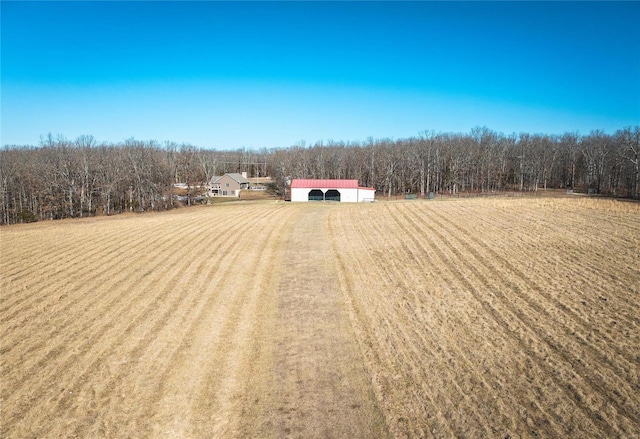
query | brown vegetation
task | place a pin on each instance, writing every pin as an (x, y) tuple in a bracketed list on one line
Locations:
[(498, 318), (457, 318)]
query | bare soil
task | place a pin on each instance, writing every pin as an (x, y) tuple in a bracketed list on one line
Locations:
[(457, 318)]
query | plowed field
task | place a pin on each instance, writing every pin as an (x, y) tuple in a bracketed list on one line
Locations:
[(473, 318)]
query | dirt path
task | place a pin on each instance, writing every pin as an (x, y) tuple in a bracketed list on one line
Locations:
[(317, 386)]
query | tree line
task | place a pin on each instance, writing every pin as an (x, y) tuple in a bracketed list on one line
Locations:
[(62, 178)]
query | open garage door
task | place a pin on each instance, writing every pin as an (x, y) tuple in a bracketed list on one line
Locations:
[(332, 195), (316, 195)]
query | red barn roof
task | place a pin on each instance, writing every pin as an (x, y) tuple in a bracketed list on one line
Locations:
[(329, 184)]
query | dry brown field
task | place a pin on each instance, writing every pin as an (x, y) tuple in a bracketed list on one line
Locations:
[(476, 318)]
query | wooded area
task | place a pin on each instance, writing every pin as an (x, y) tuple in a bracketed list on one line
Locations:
[(62, 178)]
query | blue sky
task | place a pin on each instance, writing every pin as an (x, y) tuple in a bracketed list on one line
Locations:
[(230, 75)]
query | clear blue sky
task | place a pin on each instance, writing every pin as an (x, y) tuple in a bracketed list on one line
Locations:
[(242, 74)]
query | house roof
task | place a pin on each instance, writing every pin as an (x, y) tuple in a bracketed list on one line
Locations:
[(237, 177), (329, 184)]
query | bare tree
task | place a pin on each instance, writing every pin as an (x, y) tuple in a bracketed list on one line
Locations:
[(629, 139), (596, 149), (570, 150)]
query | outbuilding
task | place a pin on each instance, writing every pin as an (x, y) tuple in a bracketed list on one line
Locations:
[(344, 191)]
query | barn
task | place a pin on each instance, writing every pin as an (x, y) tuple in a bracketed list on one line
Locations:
[(344, 191)]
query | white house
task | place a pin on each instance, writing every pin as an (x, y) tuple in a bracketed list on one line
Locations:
[(345, 191)]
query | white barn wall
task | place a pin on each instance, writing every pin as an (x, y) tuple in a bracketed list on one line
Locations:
[(300, 194), (367, 194), (350, 193), (346, 195)]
